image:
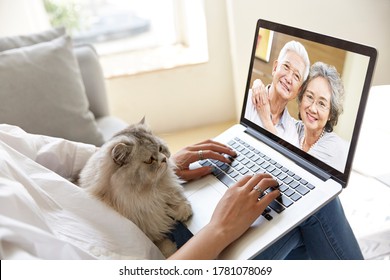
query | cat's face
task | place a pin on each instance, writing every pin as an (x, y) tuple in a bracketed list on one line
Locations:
[(139, 155)]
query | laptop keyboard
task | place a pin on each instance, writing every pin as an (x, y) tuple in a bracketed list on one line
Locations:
[(250, 161)]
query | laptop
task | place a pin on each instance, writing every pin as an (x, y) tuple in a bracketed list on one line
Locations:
[(306, 182)]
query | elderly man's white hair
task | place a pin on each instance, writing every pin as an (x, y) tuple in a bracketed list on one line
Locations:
[(299, 49)]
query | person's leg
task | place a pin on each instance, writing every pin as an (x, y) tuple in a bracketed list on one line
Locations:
[(299, 253), (283, 247), (328, 235), (325, 235)]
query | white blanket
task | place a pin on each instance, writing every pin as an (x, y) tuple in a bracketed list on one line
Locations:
[(44, 216)]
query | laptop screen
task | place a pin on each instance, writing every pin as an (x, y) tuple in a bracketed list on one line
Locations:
[(307, 92)]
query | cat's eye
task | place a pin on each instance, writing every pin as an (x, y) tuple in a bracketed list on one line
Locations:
[(150, 160)]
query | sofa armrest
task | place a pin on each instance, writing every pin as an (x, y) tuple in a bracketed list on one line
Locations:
[(93, 80), (110, 125)]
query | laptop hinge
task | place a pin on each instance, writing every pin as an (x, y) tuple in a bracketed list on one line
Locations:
[(286, 152)]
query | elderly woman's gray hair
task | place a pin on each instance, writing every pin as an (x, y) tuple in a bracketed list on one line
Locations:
[(329, 72)]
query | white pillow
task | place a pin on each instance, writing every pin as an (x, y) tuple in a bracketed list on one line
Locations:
[(41, 90)]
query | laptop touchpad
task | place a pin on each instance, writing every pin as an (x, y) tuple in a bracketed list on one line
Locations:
[(203, 203)]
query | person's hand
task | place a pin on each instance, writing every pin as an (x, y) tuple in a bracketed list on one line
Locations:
[(208, 149), (240, 206), (260, 100), (259, 93)]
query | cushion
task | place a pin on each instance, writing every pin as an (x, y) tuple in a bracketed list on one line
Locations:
[(13, 42), (93, 79), (41, 91)]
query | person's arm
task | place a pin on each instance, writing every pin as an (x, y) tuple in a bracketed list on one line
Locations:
[(235, 212), (261, 101)]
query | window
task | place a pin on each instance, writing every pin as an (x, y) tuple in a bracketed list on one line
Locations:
[(133, 36)]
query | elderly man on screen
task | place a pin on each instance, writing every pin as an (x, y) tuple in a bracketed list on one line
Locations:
[(289, 72)]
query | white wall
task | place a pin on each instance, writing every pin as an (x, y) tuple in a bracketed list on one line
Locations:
[(186, 96), (363, 21)]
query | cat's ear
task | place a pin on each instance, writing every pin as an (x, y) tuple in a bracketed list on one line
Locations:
[(145, 125), (121, 152)]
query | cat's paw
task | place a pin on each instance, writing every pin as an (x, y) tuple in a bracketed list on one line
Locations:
[(184, 212), (167, 247)]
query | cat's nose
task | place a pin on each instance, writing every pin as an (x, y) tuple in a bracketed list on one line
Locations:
[(164, 159)]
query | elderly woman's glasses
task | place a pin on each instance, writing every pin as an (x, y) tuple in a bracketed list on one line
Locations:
[(320, 104)]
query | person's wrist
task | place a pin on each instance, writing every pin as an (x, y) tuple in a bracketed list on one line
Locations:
[(269, 123), (219, 235)]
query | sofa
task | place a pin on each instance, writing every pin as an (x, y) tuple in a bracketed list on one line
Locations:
[(49, 86)]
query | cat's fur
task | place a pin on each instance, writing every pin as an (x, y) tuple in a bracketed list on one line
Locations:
[(133, 174)]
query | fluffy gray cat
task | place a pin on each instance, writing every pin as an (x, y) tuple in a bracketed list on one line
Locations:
[(133, 174)]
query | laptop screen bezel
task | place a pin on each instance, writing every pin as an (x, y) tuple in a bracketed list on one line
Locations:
[(370, 52)]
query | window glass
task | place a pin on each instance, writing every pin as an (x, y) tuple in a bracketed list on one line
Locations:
[(136, 24), (135, 36)]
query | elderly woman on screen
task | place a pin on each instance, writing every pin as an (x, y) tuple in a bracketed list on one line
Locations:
[(320, 103)]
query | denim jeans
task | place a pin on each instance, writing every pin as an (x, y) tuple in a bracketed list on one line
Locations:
[(325, 235)]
